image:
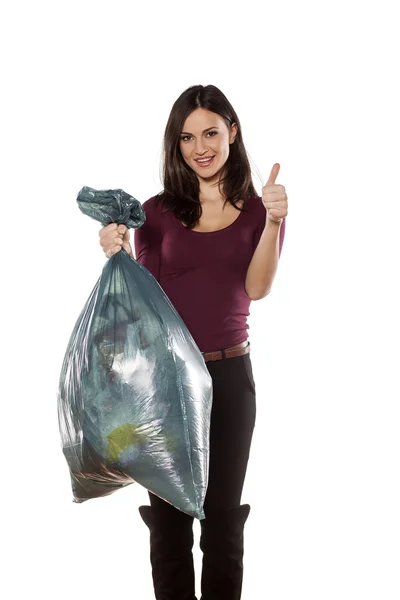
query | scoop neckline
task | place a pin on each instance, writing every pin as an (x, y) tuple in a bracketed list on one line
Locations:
[(215, 230)]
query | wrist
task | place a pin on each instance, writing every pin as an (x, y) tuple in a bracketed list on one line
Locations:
[(275, 222)]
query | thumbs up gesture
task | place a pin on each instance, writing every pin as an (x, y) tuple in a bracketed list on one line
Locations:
[(274, 197)]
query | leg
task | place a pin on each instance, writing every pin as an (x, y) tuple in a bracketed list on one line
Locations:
[(232, 424), (171, 543)]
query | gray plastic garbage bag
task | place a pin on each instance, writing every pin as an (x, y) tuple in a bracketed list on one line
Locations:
[(135, 395)]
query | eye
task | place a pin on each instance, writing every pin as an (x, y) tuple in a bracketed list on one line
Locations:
[(184, 137)]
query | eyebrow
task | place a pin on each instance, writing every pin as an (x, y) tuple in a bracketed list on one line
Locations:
[(208, 129)]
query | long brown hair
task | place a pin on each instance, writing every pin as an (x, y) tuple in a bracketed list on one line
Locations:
[(181, 186)]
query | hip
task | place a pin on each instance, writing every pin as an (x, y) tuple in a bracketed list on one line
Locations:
[(234, 375)]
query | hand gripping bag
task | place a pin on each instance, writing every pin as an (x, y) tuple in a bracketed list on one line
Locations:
[(135, 395)]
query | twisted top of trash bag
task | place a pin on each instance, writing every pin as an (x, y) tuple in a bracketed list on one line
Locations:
[(111, 206)]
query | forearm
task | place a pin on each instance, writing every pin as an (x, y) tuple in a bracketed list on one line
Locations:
[(264, 263)]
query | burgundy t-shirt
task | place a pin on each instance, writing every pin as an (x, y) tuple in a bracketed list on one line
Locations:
[(204, 273)]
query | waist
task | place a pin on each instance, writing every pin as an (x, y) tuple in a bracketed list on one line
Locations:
[(232, 351)]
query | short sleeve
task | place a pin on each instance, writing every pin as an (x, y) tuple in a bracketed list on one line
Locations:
[(148, 238)]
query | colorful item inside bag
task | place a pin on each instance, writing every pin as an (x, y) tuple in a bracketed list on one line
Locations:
[(135, 395)]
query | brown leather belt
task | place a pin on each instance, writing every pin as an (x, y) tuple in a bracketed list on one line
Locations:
[(239, 350)]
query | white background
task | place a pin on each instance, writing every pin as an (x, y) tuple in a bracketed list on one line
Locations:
[(87, 89)]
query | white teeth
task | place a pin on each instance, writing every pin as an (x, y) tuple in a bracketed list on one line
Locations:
[(205, 160)]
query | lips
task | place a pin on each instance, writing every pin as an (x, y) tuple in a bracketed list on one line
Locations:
[(207, 163)]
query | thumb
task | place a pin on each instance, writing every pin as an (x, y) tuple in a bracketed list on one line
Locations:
[(274, 174)]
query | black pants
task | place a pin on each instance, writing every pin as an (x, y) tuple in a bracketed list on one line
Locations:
[(232, 423)]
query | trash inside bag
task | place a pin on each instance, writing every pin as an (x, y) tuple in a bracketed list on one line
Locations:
[(135, 395)]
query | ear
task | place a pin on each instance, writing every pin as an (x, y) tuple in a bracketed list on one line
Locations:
[(233, 132)]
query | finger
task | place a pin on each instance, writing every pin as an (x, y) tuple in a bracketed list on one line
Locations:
[(110, 242), (122, 228), (107, 229), (274, 174), (111, 251)]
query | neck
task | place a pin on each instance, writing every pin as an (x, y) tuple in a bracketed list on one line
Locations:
[(210, 194)]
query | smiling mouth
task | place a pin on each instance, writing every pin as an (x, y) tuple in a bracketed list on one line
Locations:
[(206, 163)]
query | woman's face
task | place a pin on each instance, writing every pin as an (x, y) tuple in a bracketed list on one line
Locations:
[(205, 134)]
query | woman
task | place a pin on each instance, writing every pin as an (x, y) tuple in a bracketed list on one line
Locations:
[(213, 245)]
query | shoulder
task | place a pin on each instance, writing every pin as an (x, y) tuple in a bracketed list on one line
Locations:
[(149, 205), (154, 205), (154, 216), (255, 207), (253, 201), (153, 208)]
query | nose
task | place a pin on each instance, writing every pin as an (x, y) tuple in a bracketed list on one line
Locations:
[(200, 147)]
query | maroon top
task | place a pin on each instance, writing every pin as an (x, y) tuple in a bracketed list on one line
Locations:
[(204, 273)]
